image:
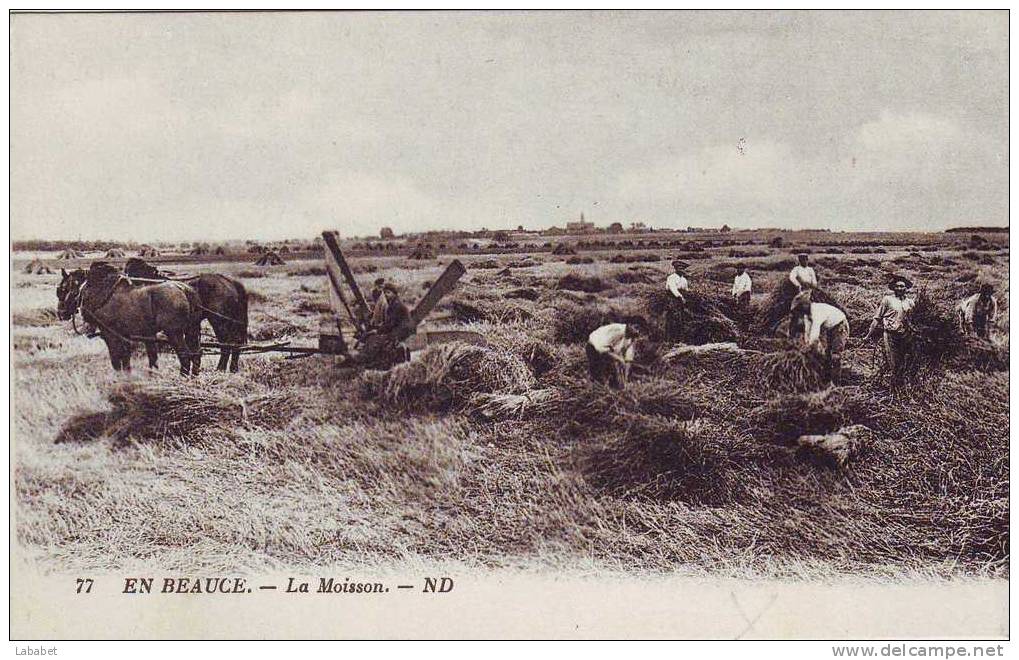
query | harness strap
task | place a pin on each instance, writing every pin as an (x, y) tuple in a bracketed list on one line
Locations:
[(179, 282)]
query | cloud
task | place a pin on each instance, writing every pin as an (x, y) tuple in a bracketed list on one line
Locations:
[(901, 170), (265, 125)]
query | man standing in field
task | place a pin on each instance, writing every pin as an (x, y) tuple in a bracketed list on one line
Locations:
[(676, 312), (892, 319), (802, 275), (741, 287), (816, 319), (978, 312), (610, 350), (677, 282)]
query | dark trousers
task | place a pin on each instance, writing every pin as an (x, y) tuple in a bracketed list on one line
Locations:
[(743, 302), (896, 345), (981, 326), (675, 316), (602, 367)]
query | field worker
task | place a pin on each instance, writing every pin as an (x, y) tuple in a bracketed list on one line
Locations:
[(802, 275), (377, 286), (610, 351), (892, 319), (396, 316), (741, 287), (978, 312), (819, 319), (677, 282), (379, 302)]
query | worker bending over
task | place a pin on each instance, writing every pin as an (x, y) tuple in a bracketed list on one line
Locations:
[(819, 319), (610, 351), (741, 287), (978, 312)]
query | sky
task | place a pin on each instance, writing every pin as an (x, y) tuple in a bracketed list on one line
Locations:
[(216, 126)]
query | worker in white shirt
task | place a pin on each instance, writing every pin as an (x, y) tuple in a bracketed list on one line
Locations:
[(741, 287), (892, 320), (819, 319), (610, 351), (802, 275), (675, 314), (978, 312), (677, 282)]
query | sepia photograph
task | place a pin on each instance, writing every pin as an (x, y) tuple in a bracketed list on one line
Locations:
[(510, 325)]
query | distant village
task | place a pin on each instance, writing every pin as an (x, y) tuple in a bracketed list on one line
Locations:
[(589, 235)]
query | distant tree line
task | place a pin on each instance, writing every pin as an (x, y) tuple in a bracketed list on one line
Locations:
[(983, 230)]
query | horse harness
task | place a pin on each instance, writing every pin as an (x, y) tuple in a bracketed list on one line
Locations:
[(185, 280), (109, 294)]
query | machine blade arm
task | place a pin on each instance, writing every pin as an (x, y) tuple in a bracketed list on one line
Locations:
[(442, 286), (332, 242)]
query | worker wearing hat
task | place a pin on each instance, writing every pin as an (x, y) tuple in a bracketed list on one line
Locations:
[(891, 320), (379, 302), (397, 314), (382, 347), (677, 282), (802, 275), (675, 314), (978, 312)]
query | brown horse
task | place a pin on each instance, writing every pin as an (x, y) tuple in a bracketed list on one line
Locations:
[(124, 314), (224, 302)]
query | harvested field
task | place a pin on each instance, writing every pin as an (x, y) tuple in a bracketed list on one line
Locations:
[(506, 454)]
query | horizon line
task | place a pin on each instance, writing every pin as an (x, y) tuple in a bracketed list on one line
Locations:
[(514, 230)]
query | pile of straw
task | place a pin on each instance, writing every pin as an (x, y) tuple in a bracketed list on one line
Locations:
[(702, 318), (783, 419), (660, 458), (179, 409), (445, 377), (793, 370), (577, 282)]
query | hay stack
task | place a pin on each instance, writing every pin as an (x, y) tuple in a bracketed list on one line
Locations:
[(578, 282), (702, 318), (793, 370), (421, 252), (270, 258), (37, 267), (783, 419), (445, 377), (563, 249), (177, 408)]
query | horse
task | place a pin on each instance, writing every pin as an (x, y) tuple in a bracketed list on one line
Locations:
[(224, 303), (124, 313)]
